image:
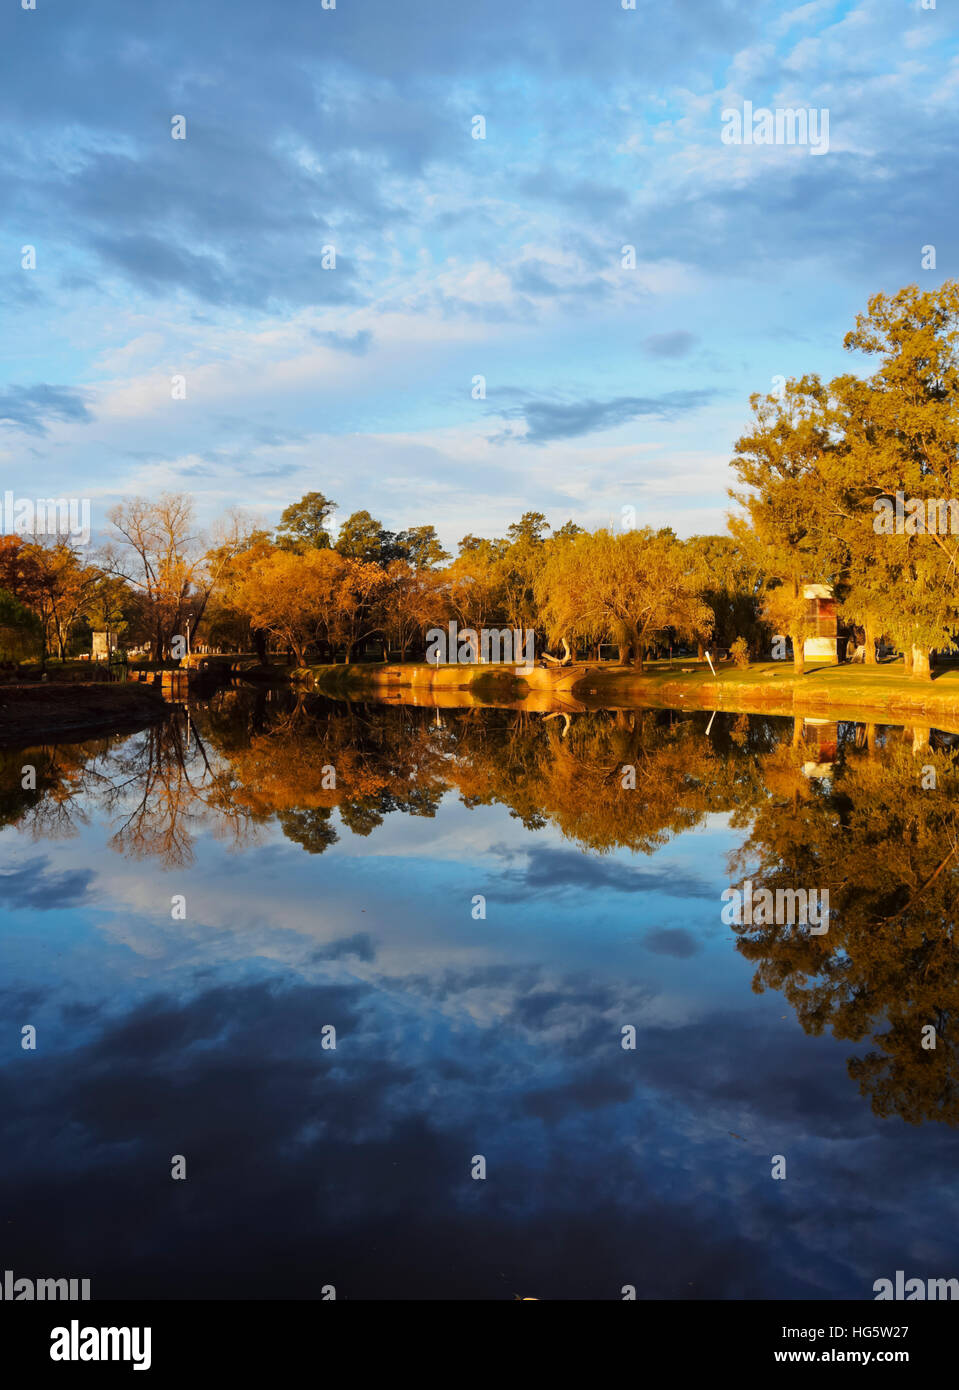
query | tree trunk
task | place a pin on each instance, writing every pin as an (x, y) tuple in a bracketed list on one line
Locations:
[(637, 646), (921, 670), (870, 644), (907, 659), (799, 656)]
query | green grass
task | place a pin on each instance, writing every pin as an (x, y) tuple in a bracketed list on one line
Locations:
[(842, 689)]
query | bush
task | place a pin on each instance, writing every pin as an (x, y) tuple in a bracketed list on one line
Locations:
[(739, 652)]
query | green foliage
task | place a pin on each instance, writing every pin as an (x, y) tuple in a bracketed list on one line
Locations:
[(303, 523), (21, 631)]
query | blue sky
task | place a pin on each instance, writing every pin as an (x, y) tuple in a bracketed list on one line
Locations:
[(606, 387)]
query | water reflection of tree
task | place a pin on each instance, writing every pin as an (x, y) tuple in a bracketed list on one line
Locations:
[(314, 758), (887, 849), (248, 761), (165, 789), (54, 808), (576, 775), (158, 787)]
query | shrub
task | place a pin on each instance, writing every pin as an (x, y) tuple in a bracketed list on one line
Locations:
[(739, 652)]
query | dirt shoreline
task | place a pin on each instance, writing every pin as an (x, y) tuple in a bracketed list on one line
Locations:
[(31, 713)]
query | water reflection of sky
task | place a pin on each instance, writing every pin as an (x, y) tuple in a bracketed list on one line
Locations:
[(455, 1037)]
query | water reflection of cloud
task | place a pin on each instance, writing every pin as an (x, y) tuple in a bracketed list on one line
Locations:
[(672, 941), (34, 885), (555, 871), (351, 1166)]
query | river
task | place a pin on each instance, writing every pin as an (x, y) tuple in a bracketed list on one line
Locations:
[(396, 1002)]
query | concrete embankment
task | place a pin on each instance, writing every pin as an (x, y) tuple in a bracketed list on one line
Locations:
[(75, 710), (849, 692)]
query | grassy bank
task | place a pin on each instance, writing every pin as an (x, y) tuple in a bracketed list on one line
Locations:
[(845, 691), (771, 687), (32, 712)]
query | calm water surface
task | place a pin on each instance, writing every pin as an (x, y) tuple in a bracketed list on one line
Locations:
[(330, 857)]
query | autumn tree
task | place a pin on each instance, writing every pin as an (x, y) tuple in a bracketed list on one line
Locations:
[(631, 587), (64, 591), (901, 428), (164, 558), (292, 596), (474, 586), (731, 585), (412, 601), (358, 603), (780, 461)]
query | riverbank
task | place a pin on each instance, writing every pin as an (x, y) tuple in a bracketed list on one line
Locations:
[(48, 711), (762, 688)]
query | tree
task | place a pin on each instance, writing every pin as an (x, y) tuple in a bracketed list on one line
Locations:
[(731, 584), (21, 631), (529, 528), (474, 587), (65, 590), (164, 559), (357, 605), (290, 595), (902, 433), (363, 538), (631, 587), (305, 523), (19, 569), (421, 546), (225, 621), (568, 531), (786, 527), (412, 601)]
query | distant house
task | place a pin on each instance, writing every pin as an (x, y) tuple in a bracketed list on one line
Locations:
[(821, 608)]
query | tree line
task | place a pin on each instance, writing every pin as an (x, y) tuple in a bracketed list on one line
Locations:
[(817, 468)]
